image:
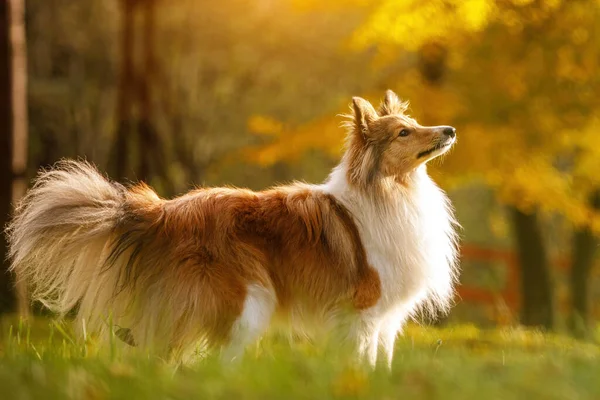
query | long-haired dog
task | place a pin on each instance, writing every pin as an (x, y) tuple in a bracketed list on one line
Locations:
[(360, 253)]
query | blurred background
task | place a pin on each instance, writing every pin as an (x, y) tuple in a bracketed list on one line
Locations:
[(181, 93)]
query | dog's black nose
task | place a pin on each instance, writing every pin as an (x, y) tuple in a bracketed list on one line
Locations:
[(449, 131)]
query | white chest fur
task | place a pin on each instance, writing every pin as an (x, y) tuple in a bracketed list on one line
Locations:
[(409, 237)]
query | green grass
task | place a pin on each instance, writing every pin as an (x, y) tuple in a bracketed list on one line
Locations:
[(43, 361)]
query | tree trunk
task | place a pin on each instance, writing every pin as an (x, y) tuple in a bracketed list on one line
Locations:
[(135, 109), (13, 135), (19, 131), (118, 165), (432, 62), (537, 303), (146, 131), (584, 249), (6, 146)]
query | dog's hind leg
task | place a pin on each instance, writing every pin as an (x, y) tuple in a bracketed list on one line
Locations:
[(368, 345), (254, 320), (389, 331), (366, 334), (391, 327)]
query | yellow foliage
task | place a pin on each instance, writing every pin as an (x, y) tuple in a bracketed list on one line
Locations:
[(309, 5), (262, 125), (520, 84), (324, 134), (411, 23)]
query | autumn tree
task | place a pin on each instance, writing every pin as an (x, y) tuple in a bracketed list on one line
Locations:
[(584, 248), (520, 84)]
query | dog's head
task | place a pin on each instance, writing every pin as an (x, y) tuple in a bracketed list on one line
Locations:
[(387, 142)]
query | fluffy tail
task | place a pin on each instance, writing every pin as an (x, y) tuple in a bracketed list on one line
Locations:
[(61, 237)]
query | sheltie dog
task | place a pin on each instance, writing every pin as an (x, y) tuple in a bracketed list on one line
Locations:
[(359, 254)]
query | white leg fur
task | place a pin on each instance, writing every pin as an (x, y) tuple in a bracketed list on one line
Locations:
[(372, 342), (259, 306), (389, 331), (367, 337)]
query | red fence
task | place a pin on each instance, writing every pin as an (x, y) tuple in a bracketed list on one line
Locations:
[(509, 295)]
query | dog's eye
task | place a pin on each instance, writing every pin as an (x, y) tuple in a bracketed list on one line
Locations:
[(404, 132)]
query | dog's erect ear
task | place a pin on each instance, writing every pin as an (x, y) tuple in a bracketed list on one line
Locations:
[(391, 104), (364, 114)]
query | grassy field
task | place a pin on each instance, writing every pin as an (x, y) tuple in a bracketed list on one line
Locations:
[(43, 361)]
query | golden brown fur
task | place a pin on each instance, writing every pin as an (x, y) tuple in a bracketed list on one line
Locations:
[(215, 266), (215, 242), (200, 251)]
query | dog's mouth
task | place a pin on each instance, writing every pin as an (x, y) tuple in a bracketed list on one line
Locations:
[(437, 147)]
